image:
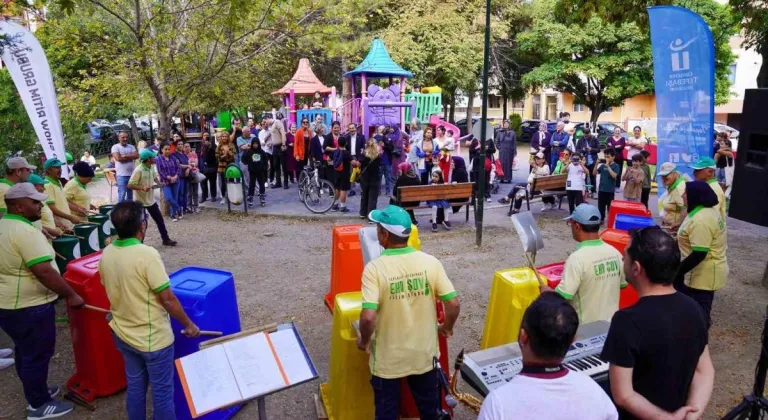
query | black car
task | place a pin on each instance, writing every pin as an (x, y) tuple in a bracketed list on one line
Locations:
[(529, 127), (462, 124), (99, 139), (604, 131)]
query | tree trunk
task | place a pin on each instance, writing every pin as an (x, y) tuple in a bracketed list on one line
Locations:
[(452, 113), (134, 130), (470, 104), (164, 123), (504, 115), (762, 76), (446, 99)]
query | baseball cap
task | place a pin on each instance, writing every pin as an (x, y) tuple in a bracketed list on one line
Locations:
[(703, 163), (83, 169), (25, 190), (36, 179), (666, 168), (19, 163), (69, 157), (585, 214), (52, 163), (394, 219), (147, 154)]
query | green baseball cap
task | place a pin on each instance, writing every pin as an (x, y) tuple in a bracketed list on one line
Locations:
[(147, 154), (52, 163), (69, 157), (36, 179), (703, 163), (394, 219)]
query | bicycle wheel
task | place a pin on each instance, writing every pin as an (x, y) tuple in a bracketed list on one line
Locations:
[(303, 181), (319, 196)]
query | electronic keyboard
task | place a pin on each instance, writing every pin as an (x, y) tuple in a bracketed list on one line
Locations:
[(488, 369)]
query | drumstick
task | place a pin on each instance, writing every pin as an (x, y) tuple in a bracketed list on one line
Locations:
[(211, 333), (96, 308), (59, 256), (73, 236)]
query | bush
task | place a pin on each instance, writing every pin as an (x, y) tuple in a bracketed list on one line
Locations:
[(516, 123)]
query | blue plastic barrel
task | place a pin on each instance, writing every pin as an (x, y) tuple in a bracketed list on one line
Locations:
[(209, 298), (627, 222)]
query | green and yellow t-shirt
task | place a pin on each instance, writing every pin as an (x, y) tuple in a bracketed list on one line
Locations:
[(704, 230), (21, 247), (592, 278), (674, 206), (402, 285), (57, 197), (720, 198), (132, 274), (5, 185), (144, 176), (77, 193)]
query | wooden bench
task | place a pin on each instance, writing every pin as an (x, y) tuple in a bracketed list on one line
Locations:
[(423, 193), (546, 186)]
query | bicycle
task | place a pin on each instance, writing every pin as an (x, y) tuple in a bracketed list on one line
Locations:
[(318, 195)]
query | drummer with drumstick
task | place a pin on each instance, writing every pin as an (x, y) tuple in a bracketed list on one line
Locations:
[(57, 199), (77, 192)]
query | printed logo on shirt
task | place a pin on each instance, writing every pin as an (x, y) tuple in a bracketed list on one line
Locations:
[(606, 268), (256, 157), (408, 286)]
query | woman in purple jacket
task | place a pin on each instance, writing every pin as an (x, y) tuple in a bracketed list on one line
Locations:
[(617, 143)]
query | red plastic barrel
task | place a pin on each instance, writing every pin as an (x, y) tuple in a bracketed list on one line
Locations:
[(625, 207), (553, 272), (99, 367), (619, 239), (346, 262)]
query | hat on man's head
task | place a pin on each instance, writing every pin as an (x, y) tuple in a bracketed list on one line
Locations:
[(666, 168), (36, 179), (585, 214), (19, 163), (703, 163), (24, 190), (83, 169), (393, 219), (69, 157), (147, 154), (52, 163)]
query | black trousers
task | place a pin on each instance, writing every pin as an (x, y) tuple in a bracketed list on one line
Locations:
[(277, 171), (427, 174), (604, 200), (620, 162), (259, 177), (369, 195), (223, 185), (644, 196), (271, 167), (157, 216), (574, 199), (300, 164), (592, 178), (704, 298), (424, 388), (209, 186)]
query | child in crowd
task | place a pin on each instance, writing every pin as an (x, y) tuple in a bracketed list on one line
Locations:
[(609, 177), (257, 161), (437, 178), (517, 193), (409, 177), (341, 172), (562, 163), (446, 152), (634, 177), (574, 186), (646, 192)]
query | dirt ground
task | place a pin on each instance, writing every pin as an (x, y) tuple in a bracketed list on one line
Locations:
[(281, 268)]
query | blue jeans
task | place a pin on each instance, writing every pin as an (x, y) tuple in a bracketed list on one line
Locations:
[(182, 198), (171, 195), (386, 395), (123, 192), (386, 170), (33, 331), (143, 369)]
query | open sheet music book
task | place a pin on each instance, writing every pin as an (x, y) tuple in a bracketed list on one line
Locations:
[(243, 369)]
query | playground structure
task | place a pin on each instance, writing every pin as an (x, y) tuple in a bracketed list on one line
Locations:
[(305, 83), (375, 105)]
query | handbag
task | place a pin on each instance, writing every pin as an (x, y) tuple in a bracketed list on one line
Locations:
[(199, 177)]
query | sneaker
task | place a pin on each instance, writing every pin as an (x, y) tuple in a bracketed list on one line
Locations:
[(49, 410), (371, 222), (362, 217), (335, 207), (510, 213), (489, 200), (198, 210), (4, 353), (223, 202), (53, 391), (173, 219), (434, 227), (352, 193), (502, 200), (181, 215), (169, 242), (6, 363), (285, 187), (447, 225), (343, 210)]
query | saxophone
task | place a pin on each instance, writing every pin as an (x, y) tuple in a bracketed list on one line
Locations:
[(469, 400)]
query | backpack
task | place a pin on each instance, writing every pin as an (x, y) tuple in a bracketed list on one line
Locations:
[(338, 160)]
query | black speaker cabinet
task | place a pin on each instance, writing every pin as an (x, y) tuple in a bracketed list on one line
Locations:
[(749, 194)]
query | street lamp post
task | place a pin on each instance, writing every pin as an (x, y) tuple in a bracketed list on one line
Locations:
[(483, 125)]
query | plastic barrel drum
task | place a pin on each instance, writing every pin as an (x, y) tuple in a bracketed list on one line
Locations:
[(107, 211), (512, 291), (101, 220), (67, 249), (627, 222), (89, 237)]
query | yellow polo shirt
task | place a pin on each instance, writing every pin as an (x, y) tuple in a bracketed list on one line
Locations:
[(704, 230), (674, 206), (720, 198), (5, 185), (402, 285), (592, 278), (132, 274), (22, 246), (77, 192), (143, 176), (57, 197)]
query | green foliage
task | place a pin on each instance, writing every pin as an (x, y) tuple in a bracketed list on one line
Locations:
[(516, 123), (754, 17)]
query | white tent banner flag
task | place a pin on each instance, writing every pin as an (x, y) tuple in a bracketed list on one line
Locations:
[(29, 69)]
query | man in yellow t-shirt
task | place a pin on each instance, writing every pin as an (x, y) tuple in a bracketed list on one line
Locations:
[(141, 299), (399, 292), (57, 199), (29, 284), (77, 191), (703, 243), (142, 182), (16, 170), (46, 223), (673, 205), (704, 170), (593, 274)]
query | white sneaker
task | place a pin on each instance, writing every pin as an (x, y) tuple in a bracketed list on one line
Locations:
[(5, 353), (173, 219), (223, 202), (6, 363)]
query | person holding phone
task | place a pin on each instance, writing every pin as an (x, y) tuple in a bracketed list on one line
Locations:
[(609, 177), (574, 186)]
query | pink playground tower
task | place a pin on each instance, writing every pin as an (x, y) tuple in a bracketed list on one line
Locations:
[(305, 83)]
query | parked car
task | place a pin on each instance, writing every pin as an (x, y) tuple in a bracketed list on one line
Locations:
[(604, 131), (462, 124), (121, 128), (99, 139), (529, 127)]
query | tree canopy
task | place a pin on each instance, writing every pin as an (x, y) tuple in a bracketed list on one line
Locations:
[(754, 17)]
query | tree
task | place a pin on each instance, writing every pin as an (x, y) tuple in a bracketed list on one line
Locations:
[(754, 19)]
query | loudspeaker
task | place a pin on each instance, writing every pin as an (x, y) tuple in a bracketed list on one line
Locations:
[(749, 193)]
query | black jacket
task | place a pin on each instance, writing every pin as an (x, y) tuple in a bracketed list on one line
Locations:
[(406, 181), (592, 142), (370, 171), (328, 142), (209, 162), (359, 146)]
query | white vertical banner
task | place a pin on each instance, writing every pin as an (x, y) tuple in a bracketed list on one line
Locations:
[(29, 69)]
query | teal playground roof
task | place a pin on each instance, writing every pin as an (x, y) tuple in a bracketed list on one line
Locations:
[(378, 63)]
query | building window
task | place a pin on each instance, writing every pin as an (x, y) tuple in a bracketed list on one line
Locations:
[(494, 101), (518, 105), (536, 111), (578, 107), (732, 74)]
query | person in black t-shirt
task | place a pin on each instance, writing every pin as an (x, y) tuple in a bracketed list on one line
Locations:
[(660, 365)]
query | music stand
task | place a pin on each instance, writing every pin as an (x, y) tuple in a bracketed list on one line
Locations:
[(755, 406), (530, 237)]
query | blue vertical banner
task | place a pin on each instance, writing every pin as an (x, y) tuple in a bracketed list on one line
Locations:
[(684, 77)]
